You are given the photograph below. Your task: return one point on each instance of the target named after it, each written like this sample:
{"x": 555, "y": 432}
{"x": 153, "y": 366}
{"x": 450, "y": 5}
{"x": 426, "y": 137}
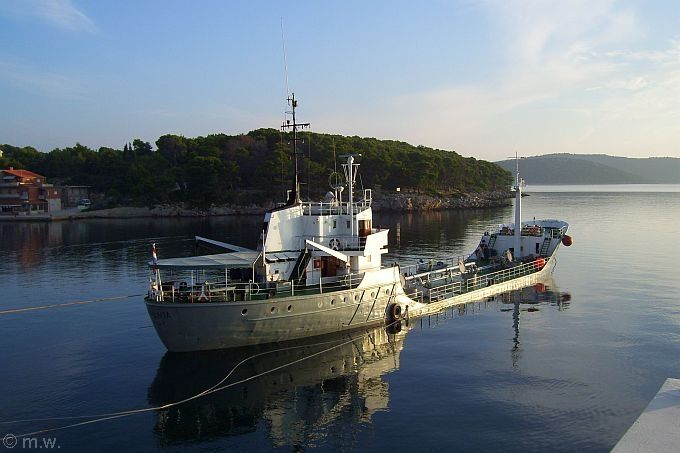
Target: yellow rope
{"x": 66, "y": 304}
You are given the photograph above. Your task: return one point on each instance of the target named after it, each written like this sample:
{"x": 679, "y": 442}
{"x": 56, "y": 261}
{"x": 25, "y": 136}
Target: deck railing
{"x": 425, "y": 268}
{"x": 221, "y": 292}
{"x": 475, "y": 282}
{"x": 429, "y": 282}
{"x": 335, "y": 207}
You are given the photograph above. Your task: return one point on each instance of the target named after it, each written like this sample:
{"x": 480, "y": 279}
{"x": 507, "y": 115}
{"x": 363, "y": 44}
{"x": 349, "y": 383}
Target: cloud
{"x": 573, "y": 76}
{"x": 61, "y": 14}
{"x": 40, "y": 82}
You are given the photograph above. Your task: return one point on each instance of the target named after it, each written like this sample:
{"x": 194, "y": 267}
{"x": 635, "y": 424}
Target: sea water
{"x": 567, "y": 364}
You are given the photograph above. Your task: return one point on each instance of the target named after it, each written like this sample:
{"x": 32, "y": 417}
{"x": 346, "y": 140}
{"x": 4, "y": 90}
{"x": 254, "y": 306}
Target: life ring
{"x": 334, "y": 244}
{"x": 393, "y": 313}
{"x": 335, "y": 180}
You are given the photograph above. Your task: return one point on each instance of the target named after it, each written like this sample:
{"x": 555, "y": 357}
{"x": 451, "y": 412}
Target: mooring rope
{"x": 215, "y": 388}
{"x": 67, "y": 304}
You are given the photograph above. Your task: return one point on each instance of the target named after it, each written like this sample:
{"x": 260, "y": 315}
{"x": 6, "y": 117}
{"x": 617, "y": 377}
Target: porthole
{"x": 290, "y": 307}
{"x": 332, "y": 301}
{"x": 356, "y": 297}
{"x": 273, "y": 309}
{"x": 244, "y": 311}
{"x": 372, "y": 294}
{"x": 344, "y": 299}
{"x": 387, "y": 291}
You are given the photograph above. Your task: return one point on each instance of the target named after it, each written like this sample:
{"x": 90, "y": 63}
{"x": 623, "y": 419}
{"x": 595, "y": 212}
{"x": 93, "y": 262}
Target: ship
{"x": 318, "y": 269}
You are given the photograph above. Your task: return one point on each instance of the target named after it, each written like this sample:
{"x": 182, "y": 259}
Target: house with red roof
{"x": 23, "y": 192}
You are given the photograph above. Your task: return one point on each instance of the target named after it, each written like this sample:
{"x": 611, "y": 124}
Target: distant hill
{"x": 596, "y": 169}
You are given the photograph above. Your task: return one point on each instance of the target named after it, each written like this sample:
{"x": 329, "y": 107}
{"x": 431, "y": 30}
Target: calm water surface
{"x": 565, "y": 365}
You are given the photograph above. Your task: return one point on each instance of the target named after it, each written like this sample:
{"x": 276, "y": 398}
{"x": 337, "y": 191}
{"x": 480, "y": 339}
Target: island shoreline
{"x": 394, "y": 202}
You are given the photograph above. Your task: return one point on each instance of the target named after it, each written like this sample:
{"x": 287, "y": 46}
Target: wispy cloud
{"x": 62, "y": 14}
{"x": 568, "y": 81}
{"x": 40, "y": 82}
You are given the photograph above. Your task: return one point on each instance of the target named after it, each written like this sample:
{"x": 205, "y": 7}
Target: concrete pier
{"x": 658, "y": 428}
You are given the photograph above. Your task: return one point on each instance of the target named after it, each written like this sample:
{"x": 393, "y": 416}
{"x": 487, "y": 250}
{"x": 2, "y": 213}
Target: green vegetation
{"x": 251, "y": 168}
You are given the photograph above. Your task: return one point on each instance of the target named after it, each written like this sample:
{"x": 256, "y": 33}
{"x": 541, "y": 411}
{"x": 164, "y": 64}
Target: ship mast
{"x": 351, "y": 170}
{"x": 294, "y": 197}
{"x": 519, "y": 183}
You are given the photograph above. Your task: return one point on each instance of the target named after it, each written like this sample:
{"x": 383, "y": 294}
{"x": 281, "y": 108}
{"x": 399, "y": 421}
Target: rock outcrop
{"x": 399, "y": 202}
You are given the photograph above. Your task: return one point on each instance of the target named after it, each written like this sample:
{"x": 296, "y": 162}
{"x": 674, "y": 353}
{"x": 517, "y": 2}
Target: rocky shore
{"x": 175, "y": 210}
{"x": 404, "y": 202}
{"x": 396, "y": 202}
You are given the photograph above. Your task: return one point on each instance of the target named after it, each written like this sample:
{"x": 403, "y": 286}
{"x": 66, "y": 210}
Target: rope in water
{"x": 215, "y": 388}
{"x": 67, "y": 304}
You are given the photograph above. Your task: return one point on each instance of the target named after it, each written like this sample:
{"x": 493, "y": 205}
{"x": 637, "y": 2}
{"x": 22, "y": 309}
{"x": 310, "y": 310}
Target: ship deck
{"x": 424, "y": 283}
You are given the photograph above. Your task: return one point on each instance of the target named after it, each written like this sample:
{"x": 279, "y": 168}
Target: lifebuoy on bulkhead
{"x": 334, "y": 244}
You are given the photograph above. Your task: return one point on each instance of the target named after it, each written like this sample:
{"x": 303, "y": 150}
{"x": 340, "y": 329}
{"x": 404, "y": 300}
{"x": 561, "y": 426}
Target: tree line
{"x": 252, "y": 167}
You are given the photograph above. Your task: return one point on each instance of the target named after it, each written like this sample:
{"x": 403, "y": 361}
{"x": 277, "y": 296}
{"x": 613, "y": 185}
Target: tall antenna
{"x": 519, "y": 184}
{"x": 295, "y": 192}
{"x": 285, "y": 63}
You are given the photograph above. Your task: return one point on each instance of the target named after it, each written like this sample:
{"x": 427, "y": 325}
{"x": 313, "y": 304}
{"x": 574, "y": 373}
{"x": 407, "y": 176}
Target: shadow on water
{"x": 299, "y": 398}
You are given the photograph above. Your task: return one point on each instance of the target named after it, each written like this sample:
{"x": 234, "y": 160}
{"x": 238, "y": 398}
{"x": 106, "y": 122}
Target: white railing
{"x": 337, "y": 242}
{"x": 207, "y": 291}
{"x": 475, "y": 282}
{"x": 426, "y": 267}
{"x": 337, "y": 208}
{"x": 221, "y": 292}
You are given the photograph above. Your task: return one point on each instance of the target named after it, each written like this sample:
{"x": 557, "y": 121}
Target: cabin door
{"x": 329, "y": 266}
{"x": 364, "y": 228}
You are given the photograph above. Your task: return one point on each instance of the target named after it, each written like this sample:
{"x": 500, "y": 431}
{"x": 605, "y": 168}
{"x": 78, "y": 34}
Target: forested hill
{"x": 596, "y": 169}
{"x": 252, "y": 167}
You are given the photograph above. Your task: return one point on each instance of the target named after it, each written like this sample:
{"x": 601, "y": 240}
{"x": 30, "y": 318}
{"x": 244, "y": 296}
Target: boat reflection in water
{"x": 541, "y": 293}
{"x": 298, "y": 403}
{"x": 306, "y": 392}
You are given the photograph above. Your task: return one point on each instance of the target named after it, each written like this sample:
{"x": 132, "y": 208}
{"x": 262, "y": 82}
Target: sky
{"x": 484, "y": 78}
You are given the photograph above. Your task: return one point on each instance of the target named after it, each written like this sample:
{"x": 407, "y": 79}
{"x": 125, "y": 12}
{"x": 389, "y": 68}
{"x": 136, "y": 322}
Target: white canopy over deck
{"x": 219, "y": 261}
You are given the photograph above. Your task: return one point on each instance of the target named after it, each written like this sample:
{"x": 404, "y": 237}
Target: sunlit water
{"x": 562, "y": 366}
